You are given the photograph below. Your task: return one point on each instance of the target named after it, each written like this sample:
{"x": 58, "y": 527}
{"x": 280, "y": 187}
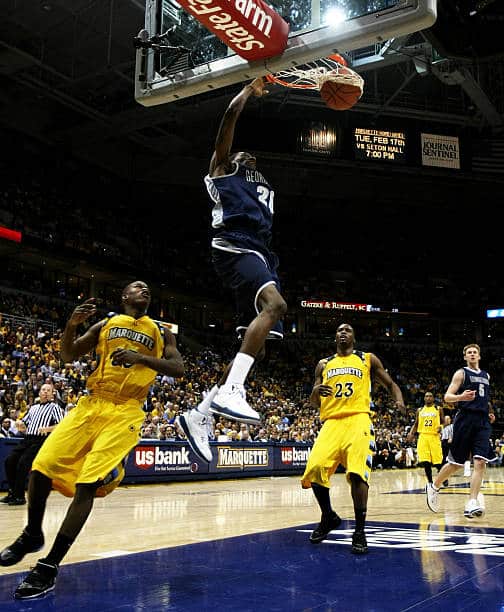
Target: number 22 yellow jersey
{"x": 350, "y": 378}
{"x": 429, "y": 421}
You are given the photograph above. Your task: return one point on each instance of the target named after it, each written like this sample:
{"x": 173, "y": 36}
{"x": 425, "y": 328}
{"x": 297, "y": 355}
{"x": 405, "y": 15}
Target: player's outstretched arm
{"x": 225, "y": 134}
{"x": 72, "y": 347}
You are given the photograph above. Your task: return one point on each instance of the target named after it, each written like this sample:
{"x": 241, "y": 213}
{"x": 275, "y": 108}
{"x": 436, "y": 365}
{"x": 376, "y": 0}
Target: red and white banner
{"x": 250, "y": 28}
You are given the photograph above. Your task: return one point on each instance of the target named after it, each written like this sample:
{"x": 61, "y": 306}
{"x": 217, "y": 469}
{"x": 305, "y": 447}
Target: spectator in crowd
{"x": 498, "y": 444}
{"x": 243, "y": 434}
{"x": 6, "y": 429}
{"x": 405, "y": 457}
{"x": 470, "y": 389}
{"x": 149, "y": 432}
{"x": 342, "y": 392}
{"x": 220, "y": 436}
{"x": 83, "y": 458}
{"x": 168, "y": 432}
{"x": 428, "y": 425}
{"x": 40, "y": 420}
{"x": 242, "y": 218}
{"x": 384, "y": 459}
{"x": 446, "y": 436}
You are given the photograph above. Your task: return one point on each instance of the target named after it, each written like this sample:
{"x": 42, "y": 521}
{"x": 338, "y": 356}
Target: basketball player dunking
{"x": 242, "y": 216}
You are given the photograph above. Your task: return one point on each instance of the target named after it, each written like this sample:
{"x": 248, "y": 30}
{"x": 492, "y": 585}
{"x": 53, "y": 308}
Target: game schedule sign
{"x": 382, "y": 145}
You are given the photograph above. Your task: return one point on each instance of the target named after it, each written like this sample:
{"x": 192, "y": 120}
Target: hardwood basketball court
{"x": 260, "y": 517}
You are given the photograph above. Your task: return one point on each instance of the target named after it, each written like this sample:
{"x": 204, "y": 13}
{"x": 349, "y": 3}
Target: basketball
{"x": 340, "y": 96}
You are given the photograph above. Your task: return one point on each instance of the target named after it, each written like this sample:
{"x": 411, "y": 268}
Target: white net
{"x": 313, "y": 75}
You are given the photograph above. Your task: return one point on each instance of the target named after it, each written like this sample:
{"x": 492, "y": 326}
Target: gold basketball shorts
{"x": 90, "y": 444}
{"x": 429, "y": 449}
{"x": 348, "y": 441}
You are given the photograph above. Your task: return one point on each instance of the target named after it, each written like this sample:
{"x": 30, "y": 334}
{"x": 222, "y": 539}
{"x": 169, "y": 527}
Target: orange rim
{"x": 277, "y": 81}
{"x": 338, "y": 58}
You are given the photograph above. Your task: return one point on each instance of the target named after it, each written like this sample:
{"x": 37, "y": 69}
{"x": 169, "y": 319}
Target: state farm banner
{"x": 250, "y": 28}
{"x": 441, "y": 151}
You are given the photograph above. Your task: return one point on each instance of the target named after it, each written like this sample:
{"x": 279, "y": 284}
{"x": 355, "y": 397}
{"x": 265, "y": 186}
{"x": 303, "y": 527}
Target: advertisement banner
{"x": 159, "y": 461}
{"x": 328, "y": 305}
{"x": 440, "y": 151}
{"x": 292, "y": 458}
{"x": 242, "y": 458}
{"x": 252, "y": 29}
{"x": 154, "y": 459}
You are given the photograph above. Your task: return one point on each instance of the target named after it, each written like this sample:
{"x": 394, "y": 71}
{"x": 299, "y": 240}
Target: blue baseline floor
{"x": 409, "y": 567}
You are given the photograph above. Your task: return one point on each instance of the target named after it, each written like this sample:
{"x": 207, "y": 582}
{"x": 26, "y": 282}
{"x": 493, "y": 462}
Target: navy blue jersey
{"x": 479, "y": 382}
{"x": 242, "y": 211}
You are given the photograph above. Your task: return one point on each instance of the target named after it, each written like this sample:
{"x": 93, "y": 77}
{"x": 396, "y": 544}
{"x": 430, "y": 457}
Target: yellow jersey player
{"x": 342, "y": 391}
{"x": 83, "y": 457}
{"x": 428, "y": 425}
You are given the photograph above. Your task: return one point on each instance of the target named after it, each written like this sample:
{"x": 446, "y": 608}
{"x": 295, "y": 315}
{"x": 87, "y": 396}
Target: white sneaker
{"x": 432, "y": 495}
{"x": 481, "y": 502}
{"x": 230, "y": 402}
{"x": 194, "y": 425}
{"x": 473, "y": 509}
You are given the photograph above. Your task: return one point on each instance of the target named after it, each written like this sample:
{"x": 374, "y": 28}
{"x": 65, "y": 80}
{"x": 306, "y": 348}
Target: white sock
{"x": 240, "y": 368}
{"x": 204, "y": 405}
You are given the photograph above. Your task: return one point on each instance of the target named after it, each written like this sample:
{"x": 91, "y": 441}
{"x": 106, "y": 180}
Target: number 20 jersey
{"x": 350, "y": 378}
{"x": 242, "y": 211}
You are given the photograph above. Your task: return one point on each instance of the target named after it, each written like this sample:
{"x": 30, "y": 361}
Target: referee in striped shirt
{"x": 40, "y": 420}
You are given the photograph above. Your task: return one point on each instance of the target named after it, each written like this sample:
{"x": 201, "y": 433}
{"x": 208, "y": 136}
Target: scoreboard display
{"x": 381, "y": 145}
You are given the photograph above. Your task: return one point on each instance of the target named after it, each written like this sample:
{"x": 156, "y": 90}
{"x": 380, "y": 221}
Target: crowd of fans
{"x": 278, "y": 387}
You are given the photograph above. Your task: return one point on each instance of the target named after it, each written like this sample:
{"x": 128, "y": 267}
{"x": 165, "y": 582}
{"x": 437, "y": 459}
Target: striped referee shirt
{"x": 42, "y": 415}
{"x": 447, "y": 432}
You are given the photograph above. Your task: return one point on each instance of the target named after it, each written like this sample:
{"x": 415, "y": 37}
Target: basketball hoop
{"x": 340, "y": 86}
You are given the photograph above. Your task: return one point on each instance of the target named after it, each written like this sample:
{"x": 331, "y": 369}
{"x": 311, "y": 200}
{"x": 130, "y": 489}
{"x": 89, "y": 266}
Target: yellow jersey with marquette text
{"x": 128, "y": 381}
{"x": 350, "y": 378}
{"x": 429, "y": 421}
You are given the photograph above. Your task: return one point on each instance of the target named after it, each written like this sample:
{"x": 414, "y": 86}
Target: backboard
{"x": 190, "y": 60}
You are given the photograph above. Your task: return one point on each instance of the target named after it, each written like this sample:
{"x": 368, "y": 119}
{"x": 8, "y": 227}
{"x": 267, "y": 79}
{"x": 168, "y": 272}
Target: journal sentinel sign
{"x": 441, "y": 151}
